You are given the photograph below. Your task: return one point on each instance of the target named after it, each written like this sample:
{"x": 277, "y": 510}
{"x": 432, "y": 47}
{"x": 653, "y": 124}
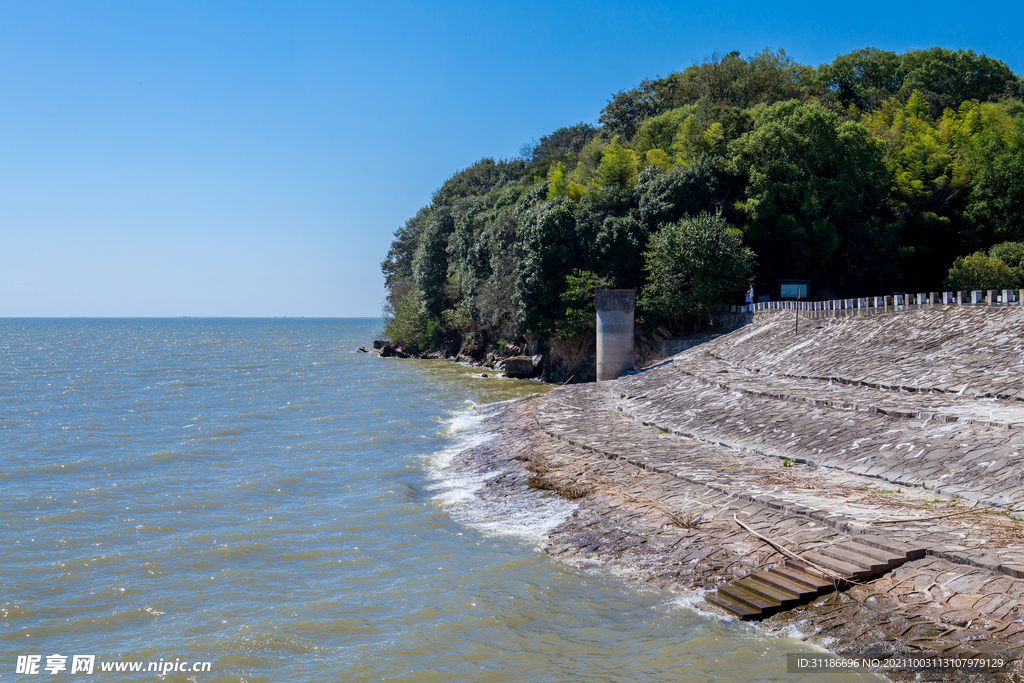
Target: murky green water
{"x": 257, "y": 495}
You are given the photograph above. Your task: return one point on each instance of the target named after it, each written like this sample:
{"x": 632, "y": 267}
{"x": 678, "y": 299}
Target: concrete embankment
{"x": 901, "y": 430}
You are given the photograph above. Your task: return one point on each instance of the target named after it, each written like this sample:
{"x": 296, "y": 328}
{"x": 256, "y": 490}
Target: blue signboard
{"x": 789, "y": 290}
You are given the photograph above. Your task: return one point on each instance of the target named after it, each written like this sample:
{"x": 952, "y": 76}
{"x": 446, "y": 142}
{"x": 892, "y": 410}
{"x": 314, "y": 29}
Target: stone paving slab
{"x": 926, "y": 605}
{"x": 973, "y": 459}
{"x": 581, "y": 416}
{"x": 711, "y": 370}
{"x": 965, "y": 350}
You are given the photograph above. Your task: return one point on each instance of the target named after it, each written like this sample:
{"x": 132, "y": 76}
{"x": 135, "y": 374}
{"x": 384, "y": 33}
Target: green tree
{"x": 978, "y": 271}
{"x": 924, "y": 199}
{"x": 478, "y": 179}
{"x": 618, "y": 166}
{"x": 564, "y": 145}
{"x": 694, "y": 266}
{"x": 685, "y": 190}
{"x": 863, "y": 78}
{"x": 404, "y": 320}
{"x": 578, "y": 299}
{"x": 992, "y": 156}
{"x": 547, "y": 251}
{"x": 1012, "y": 254}
{"x": 815, "y": 199}
{"x": 947, "y": 78}
{"x": 659, "y": 132}
{"x": 398, "y": 263}
{"x": 430, "y": 262}
{"x": 558, "y": 184}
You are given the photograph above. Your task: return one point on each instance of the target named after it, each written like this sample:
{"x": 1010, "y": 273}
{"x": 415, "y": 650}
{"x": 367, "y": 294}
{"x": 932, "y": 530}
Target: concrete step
{"x": 764, "y": 593}
{"x": 733, "y": 607}
{"x": 911, "y": 552}
{"x": 799, "y": 573}
{"x": 890, "y": 559}
{"x": 839, "y": 567}
{"x": 857, "y": 559}
{"x": 769, "y": 591}
{"x": 744, "y": 596}
{"x": 780, "y": 581}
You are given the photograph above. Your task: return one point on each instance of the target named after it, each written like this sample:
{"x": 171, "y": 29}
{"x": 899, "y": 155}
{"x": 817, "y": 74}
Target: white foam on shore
{"x": 795, "y": 631}
{"x": 692, "y": 599}
{"x": 460, "y": 486}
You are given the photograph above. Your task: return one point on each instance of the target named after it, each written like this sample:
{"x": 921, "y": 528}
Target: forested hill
{"x": 866, "y": 175}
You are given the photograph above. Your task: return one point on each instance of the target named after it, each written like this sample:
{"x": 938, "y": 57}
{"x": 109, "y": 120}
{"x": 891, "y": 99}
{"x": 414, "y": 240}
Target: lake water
{"x": 257, "y": 495}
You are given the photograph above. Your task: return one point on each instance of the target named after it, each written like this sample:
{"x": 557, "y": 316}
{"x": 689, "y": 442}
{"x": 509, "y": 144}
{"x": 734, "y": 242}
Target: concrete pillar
{"x": 1007, "y": 296}
{"x": 962, "y": 297}
{"x": 992, "y": 294}
{"x": 976, "y": 296}
{"x": 614, "y": 331}
{"x": 947, "y": 298}
{"x": 933, "y": 298}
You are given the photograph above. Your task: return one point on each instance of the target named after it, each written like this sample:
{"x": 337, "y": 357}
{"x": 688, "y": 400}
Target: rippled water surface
{"x": 257, "y": 494}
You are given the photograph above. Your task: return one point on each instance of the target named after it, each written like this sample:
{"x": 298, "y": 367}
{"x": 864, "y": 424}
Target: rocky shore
{"x": 561, "y": 361}
{"x": 903, "y": 428}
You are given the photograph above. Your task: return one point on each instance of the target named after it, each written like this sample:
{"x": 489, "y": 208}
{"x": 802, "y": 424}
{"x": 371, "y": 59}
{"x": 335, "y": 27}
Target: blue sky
{"x": 254, "y": 158}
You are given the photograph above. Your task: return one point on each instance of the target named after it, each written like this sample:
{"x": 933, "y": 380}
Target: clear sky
{"x": 253, "y": 158}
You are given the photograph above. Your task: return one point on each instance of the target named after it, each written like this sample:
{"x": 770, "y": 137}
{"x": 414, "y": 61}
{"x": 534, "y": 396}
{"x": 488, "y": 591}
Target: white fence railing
{"x": 894, "y": 302}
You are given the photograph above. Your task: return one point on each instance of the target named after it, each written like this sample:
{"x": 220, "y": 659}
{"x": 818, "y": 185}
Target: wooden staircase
{"x": 780, "y": 588}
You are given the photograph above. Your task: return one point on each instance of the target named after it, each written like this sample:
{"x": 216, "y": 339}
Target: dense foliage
{"x": 872, "y": 173}
{"x": 693, "y": 265}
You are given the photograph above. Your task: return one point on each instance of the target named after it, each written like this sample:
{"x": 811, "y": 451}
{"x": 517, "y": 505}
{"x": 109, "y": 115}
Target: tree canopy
{"x": 872, "y": 173}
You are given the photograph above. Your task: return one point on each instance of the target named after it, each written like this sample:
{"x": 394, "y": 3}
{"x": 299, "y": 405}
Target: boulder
{"x": 380, "y": 343}
{"x": 389, "y": 351}
{"x": 522, "y": 367}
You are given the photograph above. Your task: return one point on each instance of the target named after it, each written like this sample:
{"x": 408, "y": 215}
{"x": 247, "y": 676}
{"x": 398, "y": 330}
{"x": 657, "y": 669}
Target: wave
{"x": 467, "y": 479}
